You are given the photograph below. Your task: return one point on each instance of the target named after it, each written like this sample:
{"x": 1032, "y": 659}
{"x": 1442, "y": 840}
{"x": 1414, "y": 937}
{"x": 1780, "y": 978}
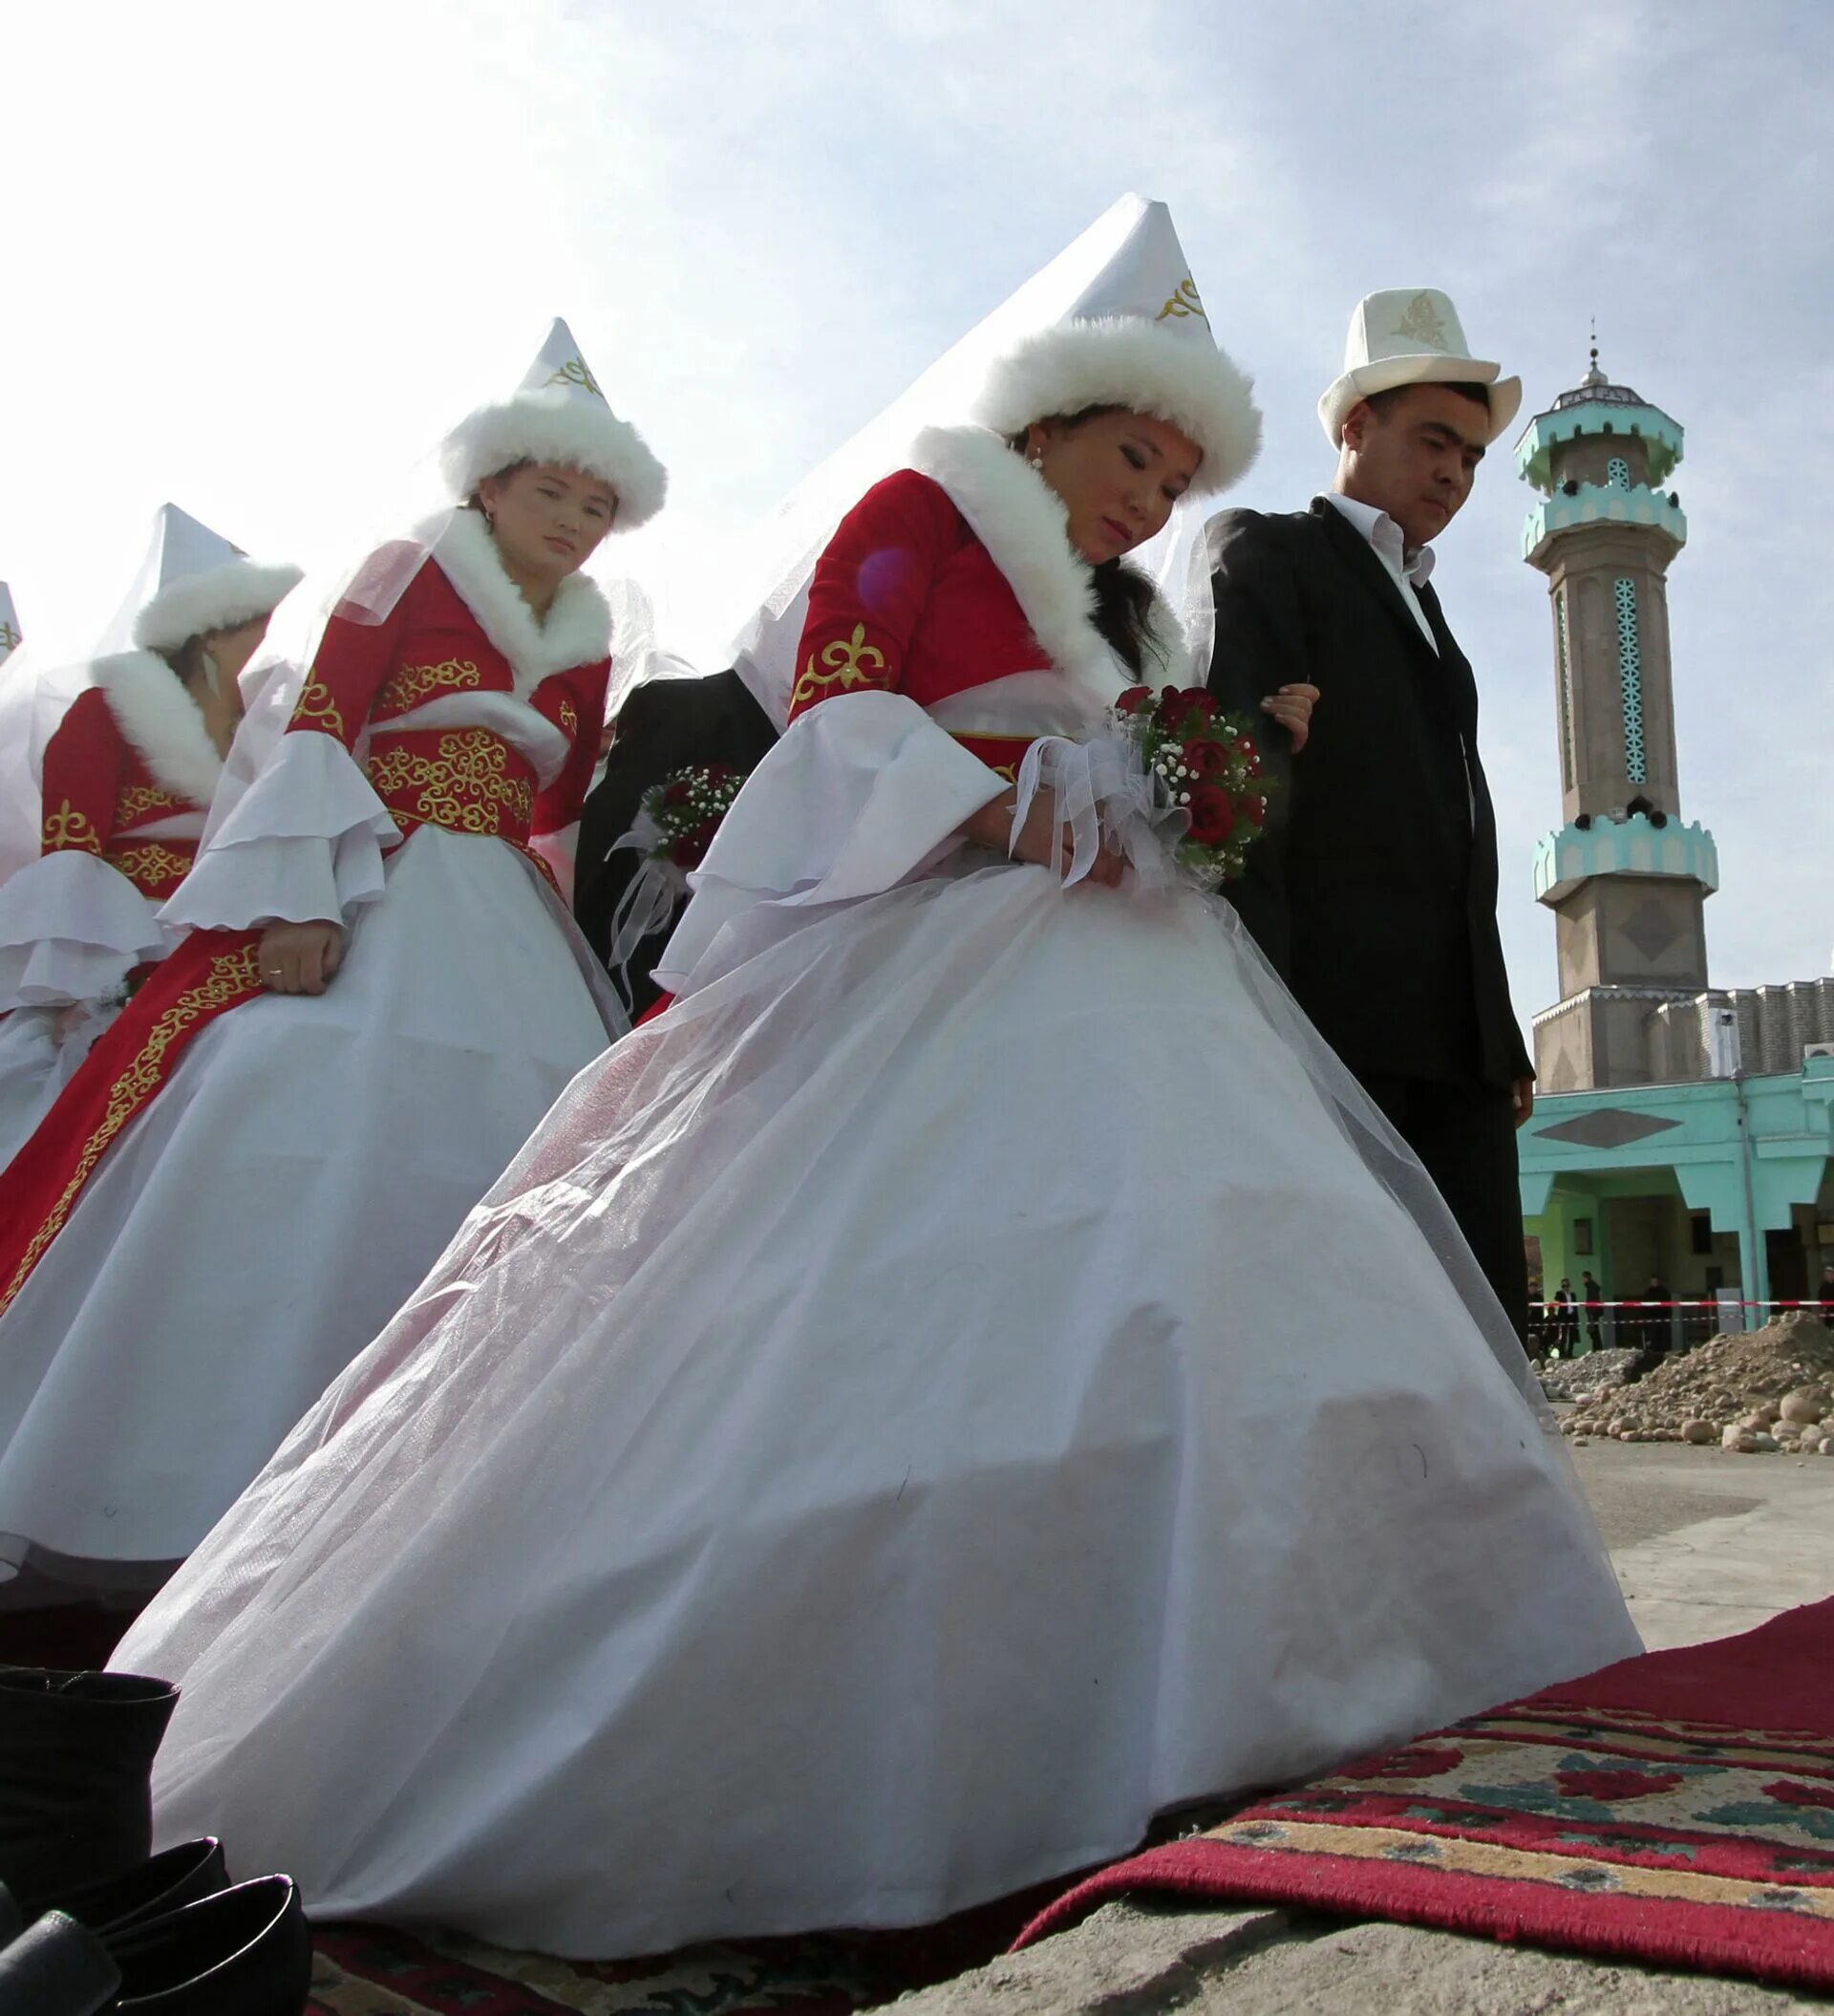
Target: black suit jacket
{"x": 663, "y": 726}
{"x": 1373, "y": 890}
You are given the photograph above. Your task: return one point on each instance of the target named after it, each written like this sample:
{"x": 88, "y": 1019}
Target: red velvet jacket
{"x": 907, "y": 598}
{"x": 99, "y": 792}
{"x": 467, "y": 778}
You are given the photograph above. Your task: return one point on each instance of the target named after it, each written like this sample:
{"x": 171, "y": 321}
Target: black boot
{"x": 57, "y": 1968}
{"x": 174, "y": 1877}
{"x": 243, "y": 1952}
{"x": 75, "y": 1768}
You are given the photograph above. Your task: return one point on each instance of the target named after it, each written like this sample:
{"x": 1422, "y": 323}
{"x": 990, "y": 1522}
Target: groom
{"x": 1374, "y": 889}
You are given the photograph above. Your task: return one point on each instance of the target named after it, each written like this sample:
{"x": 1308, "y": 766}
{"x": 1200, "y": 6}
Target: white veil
{"x": 774, "y": 568}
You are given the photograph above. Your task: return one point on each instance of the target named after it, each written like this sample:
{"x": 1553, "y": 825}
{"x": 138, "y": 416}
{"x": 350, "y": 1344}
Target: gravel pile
{"x": 1579, "y": 1378}
{"x": 1755, "y": 1392}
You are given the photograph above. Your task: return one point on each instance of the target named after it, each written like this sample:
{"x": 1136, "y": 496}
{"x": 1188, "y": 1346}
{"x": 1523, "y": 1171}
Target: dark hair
{"x": 1125, "y": 597}
{"x": 1124, "y": 603}
{"x": 186, "y": 660}
{"x": 1380, "y": 403}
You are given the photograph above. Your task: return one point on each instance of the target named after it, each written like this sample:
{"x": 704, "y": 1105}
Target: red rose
{"x": 1199, "y": 699}
{"x": 677, "y": 793}
{"x": 1213, "y": 815}
{"x": 1137, "y": 699}
{"x": 1204, "y": 759}
{"x": 691, "y": 849}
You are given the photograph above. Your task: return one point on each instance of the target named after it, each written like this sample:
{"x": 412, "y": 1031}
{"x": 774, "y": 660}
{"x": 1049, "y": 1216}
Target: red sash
{"x": 210, "y": 973}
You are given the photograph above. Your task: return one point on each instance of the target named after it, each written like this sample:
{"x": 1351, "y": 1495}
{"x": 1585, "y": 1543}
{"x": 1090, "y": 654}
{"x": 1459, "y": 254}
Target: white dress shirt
{"x": 1407, "y": 569}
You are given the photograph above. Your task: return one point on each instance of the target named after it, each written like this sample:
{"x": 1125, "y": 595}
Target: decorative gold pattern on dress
{"x": 412, "y": 683}
{"x": 852, "y": 662}
{"x": 232, "y": 974}
{"x": 151, "y": 867}
{"x": 467, "y": 787}
{"x": 317, "y": 709}
{"x": 573, "y": 373}
{"x": 138, "y": 799}
{"x": 1422, "y": 323}
{"x": 569, "y": 718}
{"x": 983, "y": 746}
{"x": 1182, "y": 303}
{"x": 68, "y": 827}
{"x": 10, "y": 638}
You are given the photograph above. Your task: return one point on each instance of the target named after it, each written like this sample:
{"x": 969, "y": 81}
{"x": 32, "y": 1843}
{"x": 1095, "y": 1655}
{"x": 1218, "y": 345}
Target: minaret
{"x": 1626, "y": 880}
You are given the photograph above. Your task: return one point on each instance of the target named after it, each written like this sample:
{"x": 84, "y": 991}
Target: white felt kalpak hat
{"x": 1411, "y": 335}
{"x": 9, "y": 623}
{"x": 1137, "y": 338}
{"x": 558, "y": 415}
{"x": 197, "y": 582}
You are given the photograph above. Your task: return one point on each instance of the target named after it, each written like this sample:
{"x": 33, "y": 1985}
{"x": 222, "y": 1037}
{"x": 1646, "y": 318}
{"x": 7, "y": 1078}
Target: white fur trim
{"x": 578, "y": 627}
{"x": 1121, "y": 360}
{"x": 1022, "y": 521}
{"x": 554, "y": 425}
{"x": 162, "y": 720}
{"x": 219, "y": 598}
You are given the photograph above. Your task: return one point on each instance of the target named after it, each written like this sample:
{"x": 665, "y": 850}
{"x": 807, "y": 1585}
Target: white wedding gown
{"x": 973, "y": 1374}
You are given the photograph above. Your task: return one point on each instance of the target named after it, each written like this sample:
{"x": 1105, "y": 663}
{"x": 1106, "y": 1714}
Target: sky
{"x": 258, "y": 259}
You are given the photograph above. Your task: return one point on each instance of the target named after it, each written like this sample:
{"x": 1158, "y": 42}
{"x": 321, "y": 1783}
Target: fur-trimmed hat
{"x": 200, "y": 582}
{"x": 1138, "y": 338}
{"x": 558, "y": 415}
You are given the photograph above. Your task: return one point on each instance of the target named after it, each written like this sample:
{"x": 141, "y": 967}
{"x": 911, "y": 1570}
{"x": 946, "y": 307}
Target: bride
{"x": 917, "y": 1407}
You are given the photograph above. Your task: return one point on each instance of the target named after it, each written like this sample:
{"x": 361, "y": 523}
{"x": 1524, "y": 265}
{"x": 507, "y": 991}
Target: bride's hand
{"x": 1292, "y": 707}
{"x": 300, "y": 958}
{"x": 1037, "y": 837}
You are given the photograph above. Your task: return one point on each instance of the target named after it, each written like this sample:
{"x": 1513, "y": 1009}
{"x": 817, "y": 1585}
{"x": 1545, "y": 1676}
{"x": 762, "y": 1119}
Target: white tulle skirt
{"x": 266, "y": 1214}
{"x": 960, "y": 1382}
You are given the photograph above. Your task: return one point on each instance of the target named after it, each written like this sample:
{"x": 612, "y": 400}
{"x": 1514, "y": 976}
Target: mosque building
{"x": 1681, "y": 1131}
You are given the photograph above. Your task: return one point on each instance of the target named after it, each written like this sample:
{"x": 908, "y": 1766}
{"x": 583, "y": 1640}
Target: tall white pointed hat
{"x": 8, "y": 624}
{"x": 193, "y": 581}
{"x": 1137, "y": 336}
{"x": 558, "y": 415}
{"x": 1412, "y": 335}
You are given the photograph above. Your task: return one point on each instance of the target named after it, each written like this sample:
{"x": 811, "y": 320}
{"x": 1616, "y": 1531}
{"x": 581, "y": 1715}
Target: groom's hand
{"x": 1525, "y": 1097}
{"x": 1292, "y": 707}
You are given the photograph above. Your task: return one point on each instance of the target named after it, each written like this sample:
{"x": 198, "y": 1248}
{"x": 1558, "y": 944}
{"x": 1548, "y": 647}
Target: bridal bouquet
{"x": 685, "y": 810}
{"x": 1206, "y": 763}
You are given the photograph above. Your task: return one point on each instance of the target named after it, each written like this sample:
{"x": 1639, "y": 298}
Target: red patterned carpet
{"x": 1675, "y": 1809}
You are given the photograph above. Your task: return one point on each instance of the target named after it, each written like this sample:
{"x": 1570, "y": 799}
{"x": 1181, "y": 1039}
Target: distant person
{"x": 1827, "y": 1296}
{"x": 1646, "y": 1334}
{"x": 1659, "y": 1327}
{"x": 1594, "y": 1299}
{"x": 1566, "y": 1317}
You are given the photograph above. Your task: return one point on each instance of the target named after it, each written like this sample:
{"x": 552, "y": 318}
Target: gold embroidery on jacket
{"x": 412, "y": 683}
{"x": 318, "y": 709}
{"x": 68, "y": 827}
{"x": 149, "y": 867}
{"x": 465, "y": 786}
{"x": 852, "y": 662}
{"x": 138, "y": 799}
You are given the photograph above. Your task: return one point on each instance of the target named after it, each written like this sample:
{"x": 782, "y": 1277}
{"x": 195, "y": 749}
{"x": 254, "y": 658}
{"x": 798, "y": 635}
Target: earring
{"x": 1035, "y": 460}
